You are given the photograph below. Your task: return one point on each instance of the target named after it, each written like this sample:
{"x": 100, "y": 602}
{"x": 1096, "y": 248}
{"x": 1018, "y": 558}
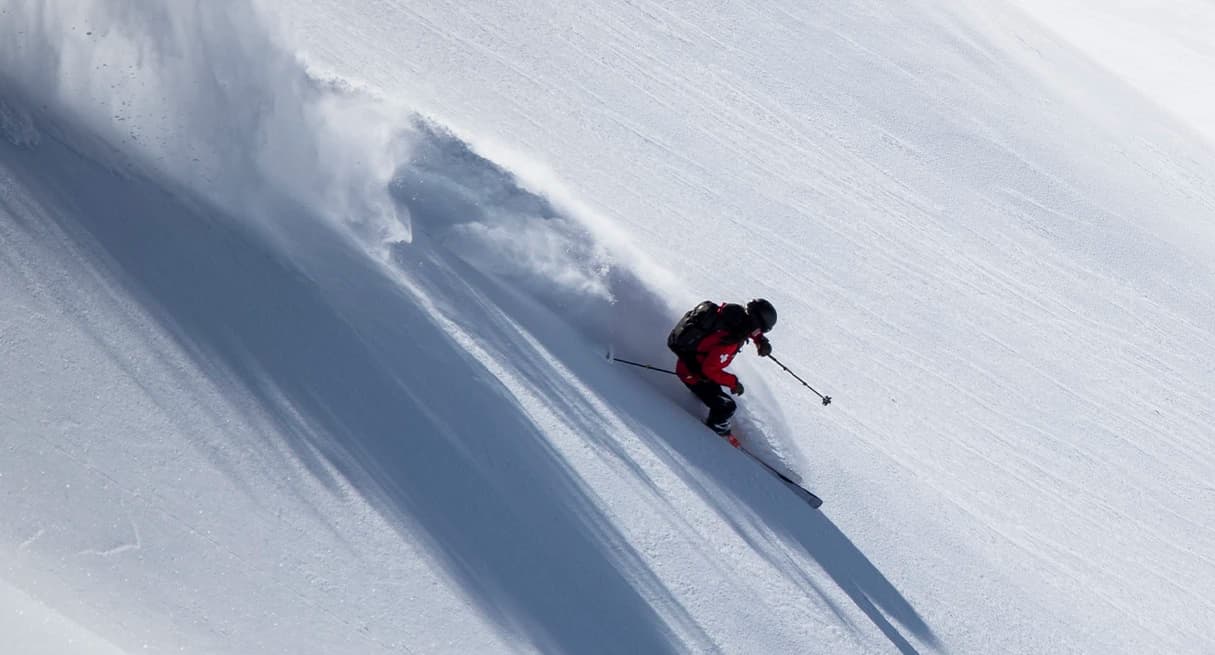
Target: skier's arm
{"x": 690, "y": 362}
{"x": 711, "y": 365}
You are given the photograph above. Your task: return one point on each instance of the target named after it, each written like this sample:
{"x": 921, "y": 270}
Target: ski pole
{"x": 652, "y": 368}
{"x": 826, "y": 399}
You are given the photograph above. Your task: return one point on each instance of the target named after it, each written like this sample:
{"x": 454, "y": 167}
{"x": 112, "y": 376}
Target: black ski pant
{"x": 721, "y": 405}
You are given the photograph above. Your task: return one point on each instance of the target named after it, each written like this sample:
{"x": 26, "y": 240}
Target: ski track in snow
{"x": 323, "y": 394}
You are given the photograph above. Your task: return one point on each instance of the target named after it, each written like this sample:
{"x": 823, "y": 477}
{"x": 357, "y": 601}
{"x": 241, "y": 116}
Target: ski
{"x": 803, "y": 493}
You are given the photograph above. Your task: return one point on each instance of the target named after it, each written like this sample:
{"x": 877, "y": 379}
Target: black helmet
{"x": 763, "y": 313}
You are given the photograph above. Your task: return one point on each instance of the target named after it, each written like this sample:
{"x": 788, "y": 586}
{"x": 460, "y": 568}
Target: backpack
{"x": 703, "y": 320}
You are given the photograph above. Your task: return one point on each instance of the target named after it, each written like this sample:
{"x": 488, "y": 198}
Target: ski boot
{"x": 723, "y": 431}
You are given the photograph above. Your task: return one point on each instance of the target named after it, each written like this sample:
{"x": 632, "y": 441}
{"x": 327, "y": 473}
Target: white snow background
{"x": 304, "y": 308}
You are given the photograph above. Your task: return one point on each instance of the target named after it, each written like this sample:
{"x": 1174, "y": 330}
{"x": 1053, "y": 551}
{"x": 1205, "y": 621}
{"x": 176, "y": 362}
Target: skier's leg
{"x": 721, "y": 405}
{"x": 720, "y": 413}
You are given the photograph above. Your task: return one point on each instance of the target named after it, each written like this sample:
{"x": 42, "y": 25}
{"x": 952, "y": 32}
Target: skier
{"x": 706, "y": 340}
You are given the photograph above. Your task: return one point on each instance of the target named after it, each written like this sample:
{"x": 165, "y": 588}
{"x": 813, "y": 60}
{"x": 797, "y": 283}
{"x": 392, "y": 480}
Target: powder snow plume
{"x": 202, "y": 92}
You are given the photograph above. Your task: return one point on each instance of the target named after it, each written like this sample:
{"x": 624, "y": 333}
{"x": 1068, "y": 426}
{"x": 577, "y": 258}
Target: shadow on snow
{"x": 446, "y": 187}
{"x": 362, "y": 380}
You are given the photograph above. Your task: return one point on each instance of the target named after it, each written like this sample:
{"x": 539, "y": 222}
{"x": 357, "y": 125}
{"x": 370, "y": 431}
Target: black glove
{"x": 764, "y": 347}
{"x": 737, "y": 389}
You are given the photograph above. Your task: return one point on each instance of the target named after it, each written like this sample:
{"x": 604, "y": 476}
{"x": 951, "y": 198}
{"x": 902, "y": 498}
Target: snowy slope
{"x": 303, "y": 306}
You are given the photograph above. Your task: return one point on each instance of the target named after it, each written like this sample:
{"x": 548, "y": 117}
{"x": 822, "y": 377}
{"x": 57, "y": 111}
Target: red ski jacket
{"x": 714, "y": 356}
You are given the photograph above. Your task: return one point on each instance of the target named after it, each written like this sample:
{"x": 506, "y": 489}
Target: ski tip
{"x": 810, "y": 499}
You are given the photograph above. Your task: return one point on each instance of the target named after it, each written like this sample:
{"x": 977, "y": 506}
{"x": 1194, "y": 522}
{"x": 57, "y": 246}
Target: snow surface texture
{"x": 303, "y": 309}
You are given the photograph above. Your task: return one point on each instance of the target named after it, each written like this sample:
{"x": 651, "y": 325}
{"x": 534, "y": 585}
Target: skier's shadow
{"x": 776, "y": 509}
{"x": 872, "y": 592}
